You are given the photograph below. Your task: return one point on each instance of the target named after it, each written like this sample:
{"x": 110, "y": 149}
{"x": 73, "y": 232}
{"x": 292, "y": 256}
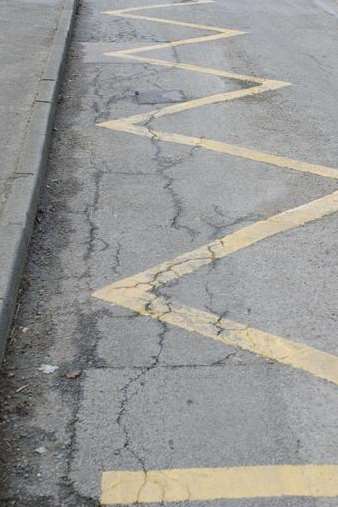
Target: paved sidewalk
{"x": 33, "y": 38}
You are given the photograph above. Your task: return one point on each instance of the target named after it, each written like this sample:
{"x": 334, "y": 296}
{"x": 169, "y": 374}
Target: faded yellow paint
{"x": 125, "y": 13}
{"x": 185, "y": 106}
{"x": 222, "y": 33}
{"x": 138, "y": 293}
{"x": 170, "y": 22}
{"x": 235, "y": 150}
{"x": 159, "y": 6}
{"x": 264, "y": 85}
{"x": 193, "y": 68}
{"x": 128, "y": 124}
{"x": 194, "y": 40}
{"x": 313, "y": 361}
{"x": 205, "y": 484}
{"x": 229, "y": 244}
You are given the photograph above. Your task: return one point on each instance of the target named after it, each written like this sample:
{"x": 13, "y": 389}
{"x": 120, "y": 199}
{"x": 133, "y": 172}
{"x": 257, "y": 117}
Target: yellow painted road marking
{"x": 209, "y": 144}
{"x": 313, "y": 361}
{"x": 194, "y": 40}
{"x": 159, "y": 6}
{"x": 219, "y": 248}
{"x": 181, "y": 107}
{"x": 138, "y": 293}
{"x": 194, "y": 68}
{"x": 170, "y": 22}
{"x": 205, "y": 484}
{"x": 299, "y": 356}
{"x": 125, "y": 13}
{"x": 216, "y": 146}
{"x": 128, "y": 124}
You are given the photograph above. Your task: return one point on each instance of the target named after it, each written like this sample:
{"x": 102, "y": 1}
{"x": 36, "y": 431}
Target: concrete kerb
{"x": 17, "y": 219}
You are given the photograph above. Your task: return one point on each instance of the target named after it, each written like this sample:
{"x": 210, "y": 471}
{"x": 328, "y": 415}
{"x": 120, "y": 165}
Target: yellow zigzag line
{"x": 130, "y": 124}
{"x": 139, "y": 292}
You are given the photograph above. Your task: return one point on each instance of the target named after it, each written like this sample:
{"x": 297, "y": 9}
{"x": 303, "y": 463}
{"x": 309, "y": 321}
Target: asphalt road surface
{"x": 176, "y": 339}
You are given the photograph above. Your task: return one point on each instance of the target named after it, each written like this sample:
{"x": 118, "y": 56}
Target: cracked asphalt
{"x": 131, "y": 392}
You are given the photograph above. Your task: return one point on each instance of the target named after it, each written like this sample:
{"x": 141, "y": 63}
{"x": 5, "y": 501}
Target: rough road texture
{"x": 133, "y": 393}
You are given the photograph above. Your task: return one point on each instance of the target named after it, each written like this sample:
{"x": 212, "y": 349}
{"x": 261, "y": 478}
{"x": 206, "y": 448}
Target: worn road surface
{"x": 176, "y": 339}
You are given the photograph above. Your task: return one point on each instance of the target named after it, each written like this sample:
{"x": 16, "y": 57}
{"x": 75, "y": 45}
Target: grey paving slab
{"x": 34, "y": 37}
{"x": 25, "y": 48}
